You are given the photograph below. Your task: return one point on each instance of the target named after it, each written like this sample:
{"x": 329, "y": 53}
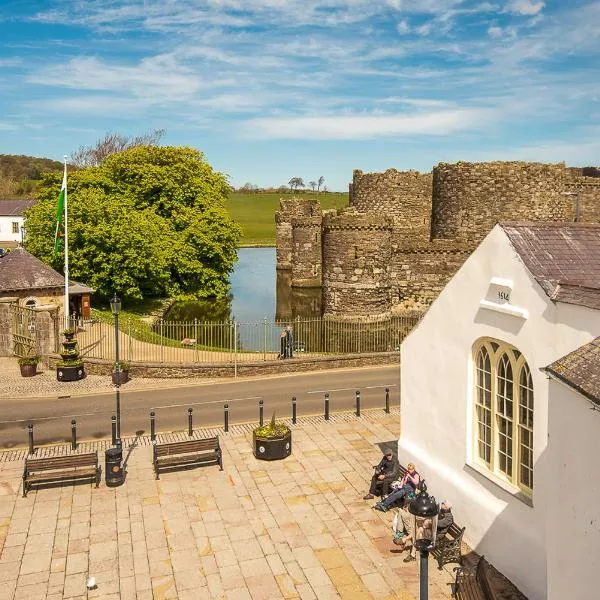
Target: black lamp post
{"x": 425, "y": 510}
{"x": 22, "y": 236}
{"x": 115, "y": 308}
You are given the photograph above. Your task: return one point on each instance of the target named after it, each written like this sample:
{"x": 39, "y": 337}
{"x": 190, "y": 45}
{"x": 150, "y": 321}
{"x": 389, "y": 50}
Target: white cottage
{"x": 12, "y": 221}
{"x": 512, "y": 449}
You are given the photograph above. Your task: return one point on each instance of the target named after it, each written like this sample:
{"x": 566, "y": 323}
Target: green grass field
{"x": 256, "y": 212}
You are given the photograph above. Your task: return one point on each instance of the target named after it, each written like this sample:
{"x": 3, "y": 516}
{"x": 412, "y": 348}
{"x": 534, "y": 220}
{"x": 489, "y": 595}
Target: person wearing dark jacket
{"x": 385, "y": 472}
{"x": 445, "y": 518}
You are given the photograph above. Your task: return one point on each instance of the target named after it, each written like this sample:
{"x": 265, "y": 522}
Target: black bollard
{"x": 30, "y": 438}
{"x": 326, "y": 406}
{"x": 73, "y": 434}
{"x": 294, "y": 410}
{"x": 113, "y": 423}
{"x": 261, "y": 412}
{"x": 226, "y": 416}
{"x": 358, "y": 403}
{"x": 190, "y": 430}
{"x": 387, "y": 400}
{"x": 152, "y": 426}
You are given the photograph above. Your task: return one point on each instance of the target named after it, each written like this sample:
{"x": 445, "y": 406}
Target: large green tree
{"x": 148, "y": 222}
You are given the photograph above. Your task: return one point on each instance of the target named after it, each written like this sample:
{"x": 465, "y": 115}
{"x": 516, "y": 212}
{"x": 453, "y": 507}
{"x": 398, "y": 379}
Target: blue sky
{"x": 273, "y": 89}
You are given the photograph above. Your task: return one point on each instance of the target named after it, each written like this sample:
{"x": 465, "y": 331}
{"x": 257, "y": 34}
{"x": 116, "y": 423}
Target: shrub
{"x": 29, "y": 360}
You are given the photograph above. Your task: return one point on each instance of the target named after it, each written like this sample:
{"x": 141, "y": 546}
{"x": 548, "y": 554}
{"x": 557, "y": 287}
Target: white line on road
{"x": 368, "y": 387}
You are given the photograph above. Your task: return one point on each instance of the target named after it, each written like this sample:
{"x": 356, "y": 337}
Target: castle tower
{"x": 288, "y": 209}
{"x": 470, "y": 198}
{"x": 402, "y": 194}
{"x": 306, "y": 251}
{"x": 356, "y": 263}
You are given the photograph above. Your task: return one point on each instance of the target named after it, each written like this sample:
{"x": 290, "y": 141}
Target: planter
{"x": 68, "y": 336}
{"x": 272, "y": 448}
{"x": 28, "y": 370}
{"x": 120, "y": 378}
{"x": 70, "y": 373}
{"x": 69, "y": 345}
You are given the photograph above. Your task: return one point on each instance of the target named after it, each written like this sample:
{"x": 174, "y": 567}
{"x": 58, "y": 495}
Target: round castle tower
{"x": 306, "y": 251}
{"x": 289, "y": 209}
{"x": 470, "y": 198}
{"x": 357, "y": 253}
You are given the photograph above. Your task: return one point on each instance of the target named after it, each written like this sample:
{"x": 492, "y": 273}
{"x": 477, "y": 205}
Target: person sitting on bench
{"x": 408, "y": 485}
{"x": 445, "y": 518}
{"x": 385, "y": 472}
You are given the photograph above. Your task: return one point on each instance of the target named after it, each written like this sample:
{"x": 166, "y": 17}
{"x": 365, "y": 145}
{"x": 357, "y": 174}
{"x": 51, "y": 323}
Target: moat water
{"x": 253, "y": 293}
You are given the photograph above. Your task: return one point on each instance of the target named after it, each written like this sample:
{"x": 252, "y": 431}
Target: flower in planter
{"x": 123, "y": 366}
{"x": 271, "y": 430}
{"x": 69, "y": 363}
{"x": 29, "y": 360}
{"x": 69, "y": 331}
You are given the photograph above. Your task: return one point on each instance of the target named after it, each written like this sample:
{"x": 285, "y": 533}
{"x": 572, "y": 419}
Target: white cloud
{"x": 494, "y": 31}
{"x": 525, "y": 7}
{"x": 403, "y": 27}
{"x": 424, "y": 29}
{"x": 369, "y": 126}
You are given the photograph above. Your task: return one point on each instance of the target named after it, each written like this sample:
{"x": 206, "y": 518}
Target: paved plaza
{"x": 258, "y": 530}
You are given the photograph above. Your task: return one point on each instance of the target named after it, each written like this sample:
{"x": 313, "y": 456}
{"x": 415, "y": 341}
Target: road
{"x": 52, "y": 417}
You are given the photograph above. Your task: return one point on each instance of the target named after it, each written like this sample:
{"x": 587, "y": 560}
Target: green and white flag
{"x": 59, "y": 217}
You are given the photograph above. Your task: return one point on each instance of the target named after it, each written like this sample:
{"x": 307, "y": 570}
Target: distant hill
{"x": 19, "y": 174}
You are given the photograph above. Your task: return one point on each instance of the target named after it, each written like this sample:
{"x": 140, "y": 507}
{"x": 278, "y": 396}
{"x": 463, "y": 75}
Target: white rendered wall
{"x": 6, "y": 234}
{"x": 574, "y": 497}
{"x": 436, "y": 404}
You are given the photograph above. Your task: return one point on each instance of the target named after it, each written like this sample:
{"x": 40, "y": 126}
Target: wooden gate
{"x": 23, "y": 331}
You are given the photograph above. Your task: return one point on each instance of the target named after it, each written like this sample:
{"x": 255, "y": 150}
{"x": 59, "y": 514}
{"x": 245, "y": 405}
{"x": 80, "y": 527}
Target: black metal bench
{"x": 448, "y": 547}
{"x": 191, "y": 452}
{"x": 61, "y": 468}
{"x": 474, "y": 583}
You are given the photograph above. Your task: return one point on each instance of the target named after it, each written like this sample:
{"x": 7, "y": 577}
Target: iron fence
{"x": 197, "y": 342}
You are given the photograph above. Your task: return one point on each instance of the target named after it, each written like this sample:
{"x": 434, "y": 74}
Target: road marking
{"x": 368, "y": 387}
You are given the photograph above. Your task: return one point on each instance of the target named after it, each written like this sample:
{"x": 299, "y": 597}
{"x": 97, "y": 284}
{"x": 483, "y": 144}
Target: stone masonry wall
{"x": 306, "y": 251}
{"x": 357, "y": 254}
{"x": 586, "y": 190}
{"x": 470, "y": 198}
{"x": 288, "y": 209}
{"x": 403, "y": 194}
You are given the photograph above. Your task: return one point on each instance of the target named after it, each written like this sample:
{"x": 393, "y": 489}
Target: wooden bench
{"x": 188, "y": 453}
{"x": 61, "y": 468}
{"x": 474, "y": 583}
{"x": 448, "y": 547}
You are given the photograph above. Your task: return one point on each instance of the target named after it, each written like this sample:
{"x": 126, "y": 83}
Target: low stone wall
{"x": 273, "y": 367}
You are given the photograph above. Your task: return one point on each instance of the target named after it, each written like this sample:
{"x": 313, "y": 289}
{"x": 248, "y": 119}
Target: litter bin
{"x": 113, "y": 468}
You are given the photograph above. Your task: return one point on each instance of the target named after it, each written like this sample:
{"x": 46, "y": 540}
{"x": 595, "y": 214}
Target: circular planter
{"x": 69, "y": 336}
{"x": 120, "y": 378}
{"x": 70, "y": 373}
{"x": 272, "y": 448}
{"x": 69, "y": 344}
{"x": 28, "y": 370}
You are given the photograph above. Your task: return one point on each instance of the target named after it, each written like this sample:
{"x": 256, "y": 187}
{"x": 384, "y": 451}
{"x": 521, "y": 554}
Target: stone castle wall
{"x": 357, "y": 254}
{"x": 470, "y": 198}
{"x": 405, "y": 234}
{"x": 402, "y": 194}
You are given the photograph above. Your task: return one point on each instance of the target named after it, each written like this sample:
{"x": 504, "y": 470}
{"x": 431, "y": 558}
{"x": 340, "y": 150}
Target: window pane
{"x": 526, "y": 427}
{"x": 483, "y": 401}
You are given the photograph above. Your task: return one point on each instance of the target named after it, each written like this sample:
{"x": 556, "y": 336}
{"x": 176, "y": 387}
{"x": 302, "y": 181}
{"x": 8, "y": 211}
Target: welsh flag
{"x": 59, "y": 217}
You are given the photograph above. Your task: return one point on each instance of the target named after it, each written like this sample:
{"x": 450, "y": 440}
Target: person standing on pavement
{"x": 385, "y": 472}
{"x": 404, "y": 531}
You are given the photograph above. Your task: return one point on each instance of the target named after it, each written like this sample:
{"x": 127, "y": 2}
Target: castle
{"x": 405, "y": 233}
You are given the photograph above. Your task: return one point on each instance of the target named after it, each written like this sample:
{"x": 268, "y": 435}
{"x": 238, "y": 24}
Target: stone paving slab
{"x": 296, "y": 528}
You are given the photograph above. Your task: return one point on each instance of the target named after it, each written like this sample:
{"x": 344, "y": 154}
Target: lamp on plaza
{"x": 425, "y": 510}
{"x": 115, "y": 308}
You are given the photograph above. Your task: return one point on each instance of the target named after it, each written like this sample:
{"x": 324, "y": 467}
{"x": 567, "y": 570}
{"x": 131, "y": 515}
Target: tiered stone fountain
{"x": 71, "y": 367}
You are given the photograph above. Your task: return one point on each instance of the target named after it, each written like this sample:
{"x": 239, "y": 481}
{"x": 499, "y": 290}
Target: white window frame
{"x": 519, "y": 417}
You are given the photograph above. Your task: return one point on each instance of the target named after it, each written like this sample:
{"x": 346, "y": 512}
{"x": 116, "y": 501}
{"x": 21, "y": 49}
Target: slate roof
{"x": 580, "y": 370}
{"x": 20, "y": 270}
{"x": 564, "y": 258}
{"x": 15, "y": 208}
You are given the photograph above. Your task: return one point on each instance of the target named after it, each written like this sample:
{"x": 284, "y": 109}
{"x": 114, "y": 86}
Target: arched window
{"x": 503, "y": 412}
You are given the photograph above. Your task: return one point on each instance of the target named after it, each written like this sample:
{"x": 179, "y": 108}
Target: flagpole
{"x": 66, "y": 234}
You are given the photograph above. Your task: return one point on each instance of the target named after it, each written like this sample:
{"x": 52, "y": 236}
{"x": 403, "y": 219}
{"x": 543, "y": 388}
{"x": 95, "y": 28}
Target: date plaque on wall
{"x": 498, "y": 298}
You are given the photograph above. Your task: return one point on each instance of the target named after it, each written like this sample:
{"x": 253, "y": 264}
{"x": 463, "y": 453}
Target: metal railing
{"x": 196, "y": 342}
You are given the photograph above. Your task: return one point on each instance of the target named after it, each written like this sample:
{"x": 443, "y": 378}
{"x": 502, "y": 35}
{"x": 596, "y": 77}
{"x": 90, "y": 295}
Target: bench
{"x": 188, "y": 453}
{"x": 448, "y": 547}
{"x": 474, "y": 583}
{"x": 61, "y": 468}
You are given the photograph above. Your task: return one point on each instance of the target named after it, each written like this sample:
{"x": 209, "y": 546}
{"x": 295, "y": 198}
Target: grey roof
{"x": 15, "y": 208}
{"x": 20, "y": 270}
{"x": 564, "y": 258}
{"x": 580, "y": 370}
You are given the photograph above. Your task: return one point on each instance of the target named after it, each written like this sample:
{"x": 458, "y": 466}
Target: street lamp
{"x": 22, "y": 236}
{"x": 425, "y": 510}
{"x": 115, "y": 308}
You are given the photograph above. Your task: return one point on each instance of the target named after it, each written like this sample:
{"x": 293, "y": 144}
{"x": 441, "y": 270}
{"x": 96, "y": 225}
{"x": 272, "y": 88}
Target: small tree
{"x": 313, "y": 185}
{"x": 295, "y": 183}
{"x": 320, "y": 182}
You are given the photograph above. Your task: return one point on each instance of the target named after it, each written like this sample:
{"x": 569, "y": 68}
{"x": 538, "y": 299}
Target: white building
{"x": 512, "y": 449}
{"x": 11, "y": 221}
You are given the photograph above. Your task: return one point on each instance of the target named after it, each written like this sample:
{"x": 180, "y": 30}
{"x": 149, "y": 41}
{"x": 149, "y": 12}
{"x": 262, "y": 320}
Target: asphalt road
{"x": 52, "y": 417}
